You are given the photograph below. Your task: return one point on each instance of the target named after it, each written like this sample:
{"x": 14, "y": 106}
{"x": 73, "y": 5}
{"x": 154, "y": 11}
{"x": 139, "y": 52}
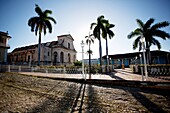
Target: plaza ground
{"x": 34, "y": 94}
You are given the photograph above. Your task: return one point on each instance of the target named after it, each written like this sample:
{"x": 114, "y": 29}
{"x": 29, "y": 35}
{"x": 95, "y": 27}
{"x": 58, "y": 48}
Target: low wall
{"x": 153, "y": 70}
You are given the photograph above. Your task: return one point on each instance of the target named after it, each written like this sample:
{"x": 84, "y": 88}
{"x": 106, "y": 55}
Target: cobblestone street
{"x": 21, "y": 94}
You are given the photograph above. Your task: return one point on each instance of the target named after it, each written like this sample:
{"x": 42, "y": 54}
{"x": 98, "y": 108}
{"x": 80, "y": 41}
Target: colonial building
{"x": 157, "y": 57}
{"x": 61, "y": 52}
{"x": 4, "y": 37}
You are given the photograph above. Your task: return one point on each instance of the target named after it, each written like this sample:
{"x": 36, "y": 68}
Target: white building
{"x": 4, "y": 37}
{"x": 61, "y": 52}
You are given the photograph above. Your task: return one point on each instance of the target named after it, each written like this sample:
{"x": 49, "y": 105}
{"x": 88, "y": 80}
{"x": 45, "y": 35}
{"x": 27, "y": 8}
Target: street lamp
{"x": 141, "y": 66}
{"x": 144, "y": 57}
{"x": 82, "y": 45}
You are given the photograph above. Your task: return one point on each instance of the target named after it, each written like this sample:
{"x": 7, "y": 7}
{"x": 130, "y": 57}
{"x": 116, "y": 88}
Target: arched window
{"x": 69, "y": 45}
{"x": 61, "y": 57}
{"x": 74, "y": 58}
{"x": 69, "y": 58}
{"x": 55, "y": 57}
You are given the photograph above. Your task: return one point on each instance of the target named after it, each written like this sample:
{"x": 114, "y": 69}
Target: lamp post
{"x": 82, "y": 45}
{"x": 141, "y": 66}
{"x": 144, "y": 57}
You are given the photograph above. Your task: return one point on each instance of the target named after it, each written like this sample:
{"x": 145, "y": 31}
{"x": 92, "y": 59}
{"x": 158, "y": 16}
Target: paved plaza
{"x": 30, "y": 94}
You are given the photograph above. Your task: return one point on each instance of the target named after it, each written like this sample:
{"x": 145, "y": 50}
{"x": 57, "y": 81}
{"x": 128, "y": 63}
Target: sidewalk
{"x": 120, "y": 74}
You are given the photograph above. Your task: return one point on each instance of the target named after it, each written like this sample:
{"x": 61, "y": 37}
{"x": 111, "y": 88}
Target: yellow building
{"x": 4, "y": 37}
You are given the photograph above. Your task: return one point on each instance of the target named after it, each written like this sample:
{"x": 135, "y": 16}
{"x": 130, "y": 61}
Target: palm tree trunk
{"x": 39, "y": 48}
{"x": 89, "y": 62}
{"x": 106, "y": 55}
{"x": 100, "y": 52}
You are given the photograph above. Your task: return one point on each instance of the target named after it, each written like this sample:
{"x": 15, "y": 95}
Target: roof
{"x": 25, "y": 48}
{"x": 5, "y": 34}
{"x": 130, "y": 55}
{"x": 67, "y": 35}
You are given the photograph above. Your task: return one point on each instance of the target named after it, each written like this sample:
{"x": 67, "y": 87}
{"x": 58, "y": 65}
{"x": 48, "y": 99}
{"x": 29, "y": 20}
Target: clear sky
{"x": 75, "y": 17}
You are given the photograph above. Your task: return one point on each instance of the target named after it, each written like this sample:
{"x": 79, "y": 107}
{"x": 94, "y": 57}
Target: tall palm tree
{"x": 98, "y": 29}
{"x": 110, "y": 34}
{"x": 89, "y": 40}
{"x": 40, "y": 23}
{"x": 149, "y": 32}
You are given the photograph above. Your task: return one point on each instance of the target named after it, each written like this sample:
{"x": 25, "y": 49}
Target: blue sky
{"x": 75, "y": 17}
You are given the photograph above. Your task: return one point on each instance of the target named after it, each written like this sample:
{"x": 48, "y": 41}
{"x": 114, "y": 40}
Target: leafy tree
{"x": 40, "y": 23}
{"x": 77, "y": 63}
{"x": 149, "y": 32}
{"x": 97, "y": 31}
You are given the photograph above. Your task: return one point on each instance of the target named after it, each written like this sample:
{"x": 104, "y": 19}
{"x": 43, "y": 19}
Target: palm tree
{"x": 40, "y": 23}
{"x": 149, "y": 32}
{"x": 89, "y": 40}
{"x": 98, "y": 29}
{"x": 109, "y": 33}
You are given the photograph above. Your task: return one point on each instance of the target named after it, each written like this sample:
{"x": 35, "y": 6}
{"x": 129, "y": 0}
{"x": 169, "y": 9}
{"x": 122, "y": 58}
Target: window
{"x": 48, "y": 53}
{"x": 69, "y": 45}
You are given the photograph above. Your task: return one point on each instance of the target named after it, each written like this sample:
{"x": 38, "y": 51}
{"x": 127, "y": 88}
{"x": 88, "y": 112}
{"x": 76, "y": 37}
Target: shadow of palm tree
{"x": 93, "y": 101}
{"x": 137, "y": 93}
{"x": 77, "y": 99}
{"x": 56, "y": 104}
{"x": 112, "y": 75}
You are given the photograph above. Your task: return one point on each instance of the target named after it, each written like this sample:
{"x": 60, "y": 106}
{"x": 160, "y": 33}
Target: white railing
{"x": 59, "y": 70}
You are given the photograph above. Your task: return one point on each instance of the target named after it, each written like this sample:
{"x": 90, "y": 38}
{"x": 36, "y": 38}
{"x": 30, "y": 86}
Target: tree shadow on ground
{"x": 75, "y": 104}
{"x": 152, "y": 107}
{"x": 146, "y": 102}
{"x": 112, "y": 75}
{"x": 56, "y": 104}
{"x": 93, "y": 102}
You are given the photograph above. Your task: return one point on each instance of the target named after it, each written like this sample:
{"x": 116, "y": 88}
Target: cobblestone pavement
{"x": 20, "y": 94}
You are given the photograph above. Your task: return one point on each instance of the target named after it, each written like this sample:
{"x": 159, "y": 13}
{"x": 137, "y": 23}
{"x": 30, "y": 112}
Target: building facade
{"x": 93, "y": 61}
{"x": 157, "y": 57}
{"x": 61, "y": 52}
{"x": 4, "y": 37}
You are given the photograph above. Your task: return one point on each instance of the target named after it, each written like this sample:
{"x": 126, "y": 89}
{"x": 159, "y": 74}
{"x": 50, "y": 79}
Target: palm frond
{"x": 52, "y": 19}
{"x": 96, "y": 32}
{"x": 100, "y": 17}
{"x": 140, "y": 23}
{"x": 157, "y": 43}
{"x": 86, "y": 36}
{"x": 92, "y": 25}
{"x": 49, "y": 26}
{"x": 137, "y": 32}
{"x": 136, "y": 42}
{"x": 46, "y": 12}
{"x": 111, "y": 25}
{"x": 36, "y": 29}
{"x": 160, "y": 33}
{"x": 148, "y": 23}
{"x": 111, "y": 34}
{"x": 45, "y": 30}
{"x": 38, "y": 10}
{"x": 160, "y": 25}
